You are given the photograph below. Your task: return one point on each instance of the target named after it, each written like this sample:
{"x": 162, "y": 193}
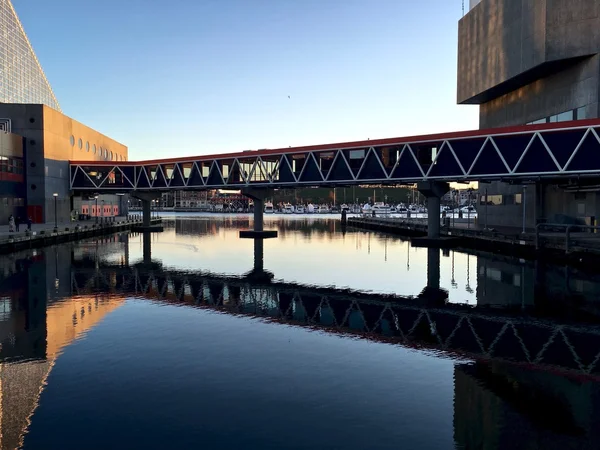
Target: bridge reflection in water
{"x": 519, "y": 354}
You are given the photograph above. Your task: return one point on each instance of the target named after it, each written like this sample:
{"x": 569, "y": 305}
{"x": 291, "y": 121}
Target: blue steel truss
{"x": 551, "y": 151}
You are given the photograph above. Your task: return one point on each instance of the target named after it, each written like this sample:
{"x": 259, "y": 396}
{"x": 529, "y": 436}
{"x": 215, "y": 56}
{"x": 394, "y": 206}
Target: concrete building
{"x": 528, "y": 62}
{"x": 37, "y": 140}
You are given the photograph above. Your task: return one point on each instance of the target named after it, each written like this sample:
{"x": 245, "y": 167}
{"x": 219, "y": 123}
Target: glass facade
{"x": 22, "y": 79}
{"x": 574, "y": 114}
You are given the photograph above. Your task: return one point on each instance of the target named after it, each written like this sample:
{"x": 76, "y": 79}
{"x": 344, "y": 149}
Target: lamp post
{"x": 96, "y": 210}
{"x": 55, "y": 195}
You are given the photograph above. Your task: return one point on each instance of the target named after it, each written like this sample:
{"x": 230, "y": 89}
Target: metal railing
{"x": 567, "y": 229}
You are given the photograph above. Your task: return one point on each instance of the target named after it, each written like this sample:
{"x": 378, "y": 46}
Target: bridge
{"x": 568, "y": 150}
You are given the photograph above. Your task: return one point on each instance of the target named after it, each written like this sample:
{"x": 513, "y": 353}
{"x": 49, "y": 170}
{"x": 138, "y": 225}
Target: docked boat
{"x": 269, "y": 208}
{"x": 288, "y": 209}
{"x": 299, "y": 209}
{"x": 345, "y": 207}
{"x": 323, "y": 209}
{"x": 381, "y": 208}
{"x": 310, "y": 208}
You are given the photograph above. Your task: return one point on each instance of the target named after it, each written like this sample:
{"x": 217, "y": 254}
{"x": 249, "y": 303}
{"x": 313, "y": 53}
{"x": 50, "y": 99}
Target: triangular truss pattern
{"x": 215, "y": 178}
{"x": 340, "y": 169}
{"x": 372, "y": 168}
{"x": 445, "y": 163}
{"x": 310, "y": 170}
{"x": 471, "y": 332}
{"x": 568, "y": 152}
{"x": 177, "y": 179}
{"x": 195, "y": 179}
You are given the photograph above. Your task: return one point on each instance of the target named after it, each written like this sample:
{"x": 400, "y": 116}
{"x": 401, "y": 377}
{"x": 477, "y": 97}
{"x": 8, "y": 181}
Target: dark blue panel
{"x": 562, "y": 143}
{"x": 445, "y": 164}
{"x": 489, "y": 162}
{"x": 177, "y": 178}
{"x": 311, "y": 172}
{"x": 143, "y": 179}
{"x": 81, "y": 180}
{"x": 159, "y": 179}
{"x": 129, "y": 172}
{"x": 195, "y": 177}
{"x": 285, "y": 173}
{"x": 372, "y": 170}
{"x": 214, "y": 177}
{"x": 536, "y": 159}
{"x": 512, "y": 147}
{"x": 339, "y": 170}
{"x": 407, "y": 167}
{"x": 235, "y": 176}
{"x": 466, "y": 150}
{"x": 588, "y": 155}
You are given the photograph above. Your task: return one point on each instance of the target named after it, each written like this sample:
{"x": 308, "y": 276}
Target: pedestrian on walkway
{"x": 17, "y": 223}
{"x": 29, "y": 222}
{"x": 11, "y": 224}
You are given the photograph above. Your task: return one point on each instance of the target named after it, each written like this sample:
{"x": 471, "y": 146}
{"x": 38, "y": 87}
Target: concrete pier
{"x": 147, "y": 198}
{"x": 258, "y": 197}
{"x": 434, "y": 191}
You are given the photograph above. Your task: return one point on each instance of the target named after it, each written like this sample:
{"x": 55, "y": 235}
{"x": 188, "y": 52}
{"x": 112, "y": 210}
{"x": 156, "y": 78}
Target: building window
{"x": 565, "y": 116}
{"x": 94, "y": 149}
{"x": 518, "y": 199}
{"x": 87, "y": 146}
{"x": 100, "y": 152}
{"x": 80, "y": 144}
{"x": 580, "y": 113}
{"x": 72, "y": 140}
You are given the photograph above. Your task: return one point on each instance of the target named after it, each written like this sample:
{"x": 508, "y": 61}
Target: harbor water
{"x": 325, "y": 337}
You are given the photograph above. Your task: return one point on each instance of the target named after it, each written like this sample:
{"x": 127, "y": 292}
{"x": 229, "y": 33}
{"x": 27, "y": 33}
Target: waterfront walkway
{"x": 48, "y": 227}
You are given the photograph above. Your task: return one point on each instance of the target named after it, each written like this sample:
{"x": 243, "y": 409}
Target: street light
{"x": 96, "y": 210}
{"x": 55, "y": 195}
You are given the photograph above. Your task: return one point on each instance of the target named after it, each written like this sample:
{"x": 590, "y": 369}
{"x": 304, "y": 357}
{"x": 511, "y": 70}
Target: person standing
{"x": 11, "y": 224}
{"x": 17, "y": 223}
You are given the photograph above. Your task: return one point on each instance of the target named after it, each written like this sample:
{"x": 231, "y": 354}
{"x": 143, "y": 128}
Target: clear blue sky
{"x": 189, "y": 77}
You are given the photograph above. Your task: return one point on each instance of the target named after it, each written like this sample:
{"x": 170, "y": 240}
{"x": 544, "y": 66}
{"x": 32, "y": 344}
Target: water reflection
{"x": 527, "y": 344}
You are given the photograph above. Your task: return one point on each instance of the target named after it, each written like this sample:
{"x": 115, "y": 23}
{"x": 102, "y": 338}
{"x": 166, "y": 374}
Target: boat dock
{"x": 563, "y": 242}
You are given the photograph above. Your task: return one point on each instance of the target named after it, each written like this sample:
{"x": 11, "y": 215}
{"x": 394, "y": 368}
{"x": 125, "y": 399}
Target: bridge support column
{"x": 147, "y": 198}
{"x": 258, "y": 196}
{"x": 434, "y": 191}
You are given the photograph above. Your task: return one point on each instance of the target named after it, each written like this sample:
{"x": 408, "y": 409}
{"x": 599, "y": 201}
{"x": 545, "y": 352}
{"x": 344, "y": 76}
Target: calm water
{"x": 323, "y": 339}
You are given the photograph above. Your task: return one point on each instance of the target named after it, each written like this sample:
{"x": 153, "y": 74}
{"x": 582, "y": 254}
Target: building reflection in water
{"x": 522, "y": 351}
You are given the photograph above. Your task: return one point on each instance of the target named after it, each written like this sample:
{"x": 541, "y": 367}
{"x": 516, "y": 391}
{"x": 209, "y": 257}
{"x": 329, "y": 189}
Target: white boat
{"x": 299, "y": 209}
{"x": 323, "y": 209}
{"x": 310, "y": 209}
{"x": 288, "y": 209}
{"x": 269, "y": 208}
{"x": 345, "y": 207}
{"x": 381, "y": 208}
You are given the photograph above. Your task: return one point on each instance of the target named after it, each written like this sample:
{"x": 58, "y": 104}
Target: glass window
{"x": 80, "y": 144}
{"x": 110, "y": 155}
{"x": 536, "y": 122}
{"x": 94, "y": 148}
{"x": 580, "y": 113}
{"x": 72, "y": 140}
{"x": 518, "y": 199}
{"x": 87, "y": 146}
{"x": 565, "y": 116}
{"x": 356, "y": 154}
{"x": 494, "y": 200}
{"x": 100, "y": 152}
{"x": 553, "y": 119}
